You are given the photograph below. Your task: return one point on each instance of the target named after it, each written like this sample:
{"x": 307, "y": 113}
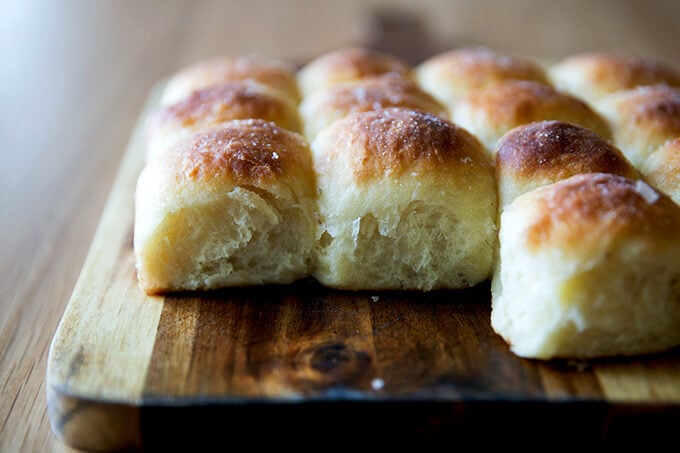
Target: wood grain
{"x": 75, "y": 75}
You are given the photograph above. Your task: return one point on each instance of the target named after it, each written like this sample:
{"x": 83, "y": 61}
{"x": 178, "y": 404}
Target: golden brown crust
{"x": 654, "y": 108}
{"x": 611, "y": 72}
{"x": 663, "y": 168}
{"x": 372, "y": 93}
{"x": 518, "y": 102}
{"x": 350, "y": 63}
{"x": 481, "y": 67}
{"x": 557, "y": 150}
{"x": 274, "y": 73}
{"x": 600, "y": 206}
{"x": 243, "y": 151}
{"x": 228, "y": 101}
{"x": 394, "y": 141}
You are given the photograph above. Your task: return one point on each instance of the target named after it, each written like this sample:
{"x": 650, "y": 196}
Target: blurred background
{"x": 75, "y": 75}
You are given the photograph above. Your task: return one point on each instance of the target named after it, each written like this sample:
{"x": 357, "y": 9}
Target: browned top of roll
{"x": 600, "y": 207}
{"x": 244, "y": 151}
{"x": 662, "y": 168}
{"x": 350, "y": 63}
{"x": 228, "y": 101}
{"x": 519, "y": 102}
{"x": 480, "y": 67}
{"x": 329, "y": 104}
{"x": 394, "y": 141}
{"x": 371, "y": 93}
{"x": 656, "y": 108}
{"x": 611, "y": 72}
{"x": 272, "y": 72}
{"x": 558, "y": 150}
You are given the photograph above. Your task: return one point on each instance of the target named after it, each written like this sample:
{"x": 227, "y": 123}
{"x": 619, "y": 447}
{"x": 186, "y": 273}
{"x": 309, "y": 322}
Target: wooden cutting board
{"x": 302, "y": 362}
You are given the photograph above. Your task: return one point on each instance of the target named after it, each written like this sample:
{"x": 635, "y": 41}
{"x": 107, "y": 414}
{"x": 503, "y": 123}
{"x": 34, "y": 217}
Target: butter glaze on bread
{"x": 643, "y": 119}
{"x": 406, "y": 201}
{"x": 541, "y": 153}
{"x": 347, "y": 64}
{"x": 593, "y": 76}
{"x": 274, "y": 73}
{"x": 217, "y": 104}
{"x": 229, "y": 206}
{"x": 662, "y": 169}
{"x": 492, "y": 112}
{"x": 588, "y": 267}
{"x": 453, "y": 74}
{"x": 330, "y": 104}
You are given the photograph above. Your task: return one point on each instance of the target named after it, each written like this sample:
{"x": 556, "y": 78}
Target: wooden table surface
{"x": 75, "y": 75}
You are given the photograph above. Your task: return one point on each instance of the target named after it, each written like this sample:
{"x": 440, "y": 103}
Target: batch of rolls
{"x": 558, "y": 182}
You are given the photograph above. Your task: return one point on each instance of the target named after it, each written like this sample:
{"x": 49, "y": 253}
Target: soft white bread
{"x": 406, "y": 201}
{"x": 275, "y": 73}
{"x": 541, "y": 153}
{"x": 662, "y": 169}
{"x": 231, "y": 205}
{"x": 642, "y": 119}
{"x": 492, "y": 112}
{"x": 453, "y": 74}
{"x": 214, "y": 105}
{"x": 330, "y": 104}
{"x": 588, "y": 267}
{"x": 593, "y": 76}
{"x": 346, "y": 64}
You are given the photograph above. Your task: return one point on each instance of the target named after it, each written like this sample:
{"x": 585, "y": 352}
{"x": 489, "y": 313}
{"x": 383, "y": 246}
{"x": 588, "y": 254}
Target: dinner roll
{"x": 492, "y": 112}
{"x": 230, "y": 205}
{"x": 275, "y": 73}
{"x": 346, "y": 64}
{"x": 592, "y": 76}
{"x": 642, "y": 119}
{"x": 662, "y": 169}
{"x": 216, "y": 104}
{"x": 327, "y": 105}
{"x": 541, "y": 153}
{"x": 589, "y": 267}
{"x": 450, "y": 75}
{"x": 406, "y": 201}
